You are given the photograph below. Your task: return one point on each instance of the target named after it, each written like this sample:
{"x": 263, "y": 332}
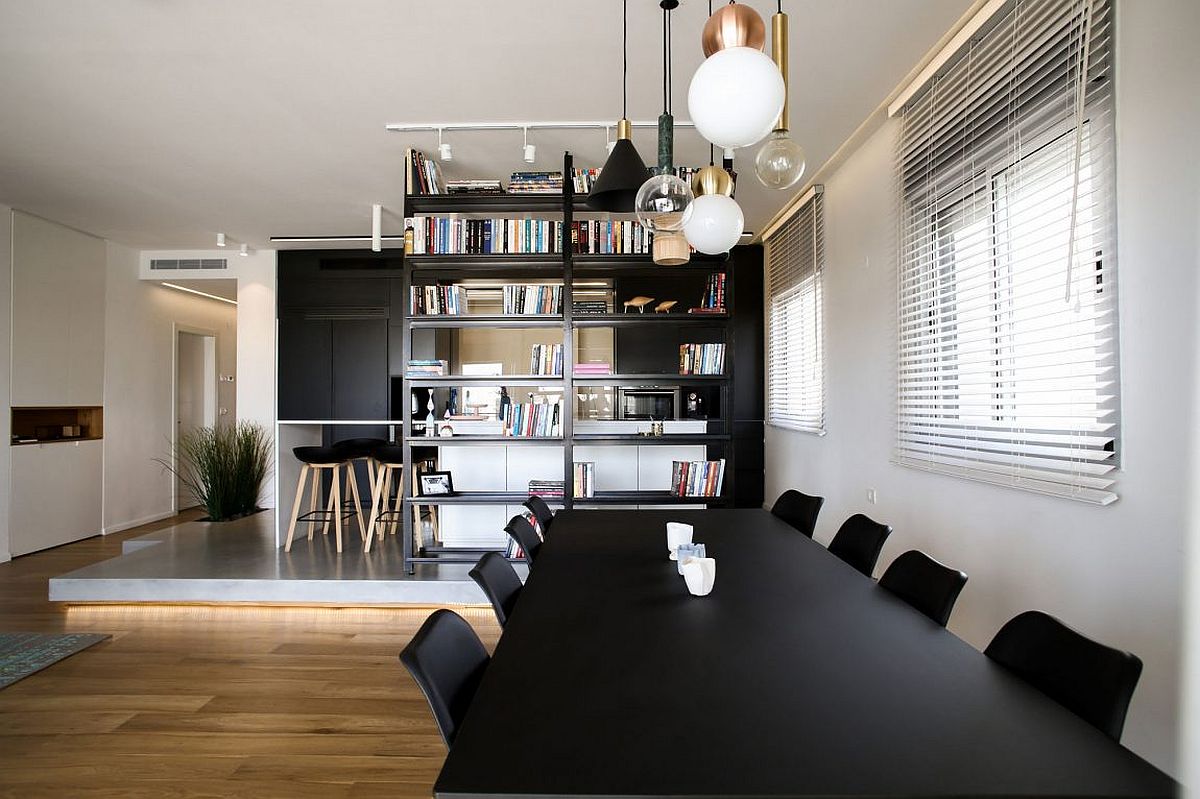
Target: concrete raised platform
{"x": 238, "y": 562}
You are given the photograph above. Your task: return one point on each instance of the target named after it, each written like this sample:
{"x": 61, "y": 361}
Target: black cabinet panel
{"x": 360, "y": 368}
{"x": 748, "y": 333}
{"x": 305, "y": 368}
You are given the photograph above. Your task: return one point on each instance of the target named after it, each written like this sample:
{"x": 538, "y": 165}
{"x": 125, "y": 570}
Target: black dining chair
{"x": 799, "y": 510}
{"x": 541, "y": 511}
{"x": 1090, "y": 679}
{"x": 859, "y": 541}
{"x": 526, "y": 537}
{"x": 927, "y": 585}
{"x": 447, "y": 660}
{"x": 499, "y": 582}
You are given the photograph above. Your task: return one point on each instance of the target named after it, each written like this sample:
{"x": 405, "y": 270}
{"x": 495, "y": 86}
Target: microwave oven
{"x": 644, "y": 404}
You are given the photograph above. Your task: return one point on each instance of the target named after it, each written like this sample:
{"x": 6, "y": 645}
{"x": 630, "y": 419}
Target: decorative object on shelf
{"x": 430, "y": 419}
{"x": 780, "y": 162}
{"x": 737, "y": 93}
{"x": 436, "y": 484}
{"x": 665, "y": 306}
{"x": 445, "y": 431}
{"x": 735, "y": 25}
{"x": 664, "y": 202}
{"x": 638, "y": 302}
{"x": 693, "y": 406}
{"x": 624, "y": 172}
{"x": 656, "y": 428}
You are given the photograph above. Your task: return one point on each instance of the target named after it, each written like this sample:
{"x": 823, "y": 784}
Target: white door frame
{"x": 176, "y": 329}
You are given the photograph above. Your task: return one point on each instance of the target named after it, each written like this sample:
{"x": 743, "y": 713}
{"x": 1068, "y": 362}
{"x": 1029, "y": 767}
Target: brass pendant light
{"x": 734, "y": 25}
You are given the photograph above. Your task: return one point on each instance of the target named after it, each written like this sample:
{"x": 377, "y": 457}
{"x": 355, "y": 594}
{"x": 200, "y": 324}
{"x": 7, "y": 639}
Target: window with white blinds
{"x": 1007, "y": 368}
{"x": 795, "y": 329}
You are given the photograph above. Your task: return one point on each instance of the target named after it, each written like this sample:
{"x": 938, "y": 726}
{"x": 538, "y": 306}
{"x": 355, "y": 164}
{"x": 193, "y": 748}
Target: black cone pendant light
{"x": 624, "y": 173}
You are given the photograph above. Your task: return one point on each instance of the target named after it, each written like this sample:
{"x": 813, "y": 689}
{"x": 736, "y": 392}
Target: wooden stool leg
{"x": 376, "y": 485}
{"x": 315, "y": 500}
{"x": 371, "y": 467}
{"x": 296, "y": 507}
{"x": 329, "y": 506}
{"x": 385, "y": 502}
{"x": 337, "y": 506}
{"x": 399, "y": 499}
{"x": 350, "y": 470}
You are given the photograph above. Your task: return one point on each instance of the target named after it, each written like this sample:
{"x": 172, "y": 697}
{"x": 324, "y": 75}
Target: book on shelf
{"x": 701, "y": 359}
{"x": 547, "y": 359}
{"x": 713, "y": 300}
{"x": 532, "y": 419}
{"x": 513, "y": 550}
{"x": 587, "y": 369}
{"x": 437, "y": 301}
{"x": 532, "y": 299}
{"x": 547, "y": 489}
{"x": 697, "y": 478}
{"x": 589, "y": 307}
{"x": 426, "y": 368}
{"x": 424, "y": 176}
{"x": 583, "y": 482}
{"x": 474, "y": 187}
{"x": 535, "y": 183}
{"x": 437, "y": 235}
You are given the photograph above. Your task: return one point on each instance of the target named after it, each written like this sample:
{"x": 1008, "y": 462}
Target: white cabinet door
{"x": 56, "y": 494}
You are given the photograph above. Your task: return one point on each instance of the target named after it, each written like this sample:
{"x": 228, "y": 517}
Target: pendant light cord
{"x": 625, "y": 59}
{"x": 664, "y": 35}
{"x": 711, "y": 162}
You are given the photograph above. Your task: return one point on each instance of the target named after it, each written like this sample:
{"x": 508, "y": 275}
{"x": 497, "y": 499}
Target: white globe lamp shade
{"x": 716, "y": 224}
{"x": 664, "y": 203}
{"x": 780, "y": 161}
{"x": 735, "y": 97}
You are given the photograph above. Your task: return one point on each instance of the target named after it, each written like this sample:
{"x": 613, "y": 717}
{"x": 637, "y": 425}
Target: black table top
{"x": 796, "y": 676}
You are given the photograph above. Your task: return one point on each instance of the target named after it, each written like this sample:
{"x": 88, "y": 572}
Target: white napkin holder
{"x": 700, "y": 574}
{"x": 677, "y": 533}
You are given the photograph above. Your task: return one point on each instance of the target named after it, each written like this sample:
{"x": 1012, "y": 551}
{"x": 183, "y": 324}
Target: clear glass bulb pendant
{"x": 664, "y": 203}
{"x": 780, "y": 161}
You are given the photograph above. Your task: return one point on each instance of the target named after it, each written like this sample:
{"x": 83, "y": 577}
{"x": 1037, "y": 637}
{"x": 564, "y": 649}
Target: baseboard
{"x": 122, "y": 526}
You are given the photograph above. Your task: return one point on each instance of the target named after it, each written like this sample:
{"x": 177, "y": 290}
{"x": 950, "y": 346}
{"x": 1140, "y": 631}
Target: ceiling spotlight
{"x": 220, "y": 239}
{"x": 609, "y": 144}
{"x": 444, "y": 151}
{"x": 245, "y": 251}
{"x": 529, "y": 151}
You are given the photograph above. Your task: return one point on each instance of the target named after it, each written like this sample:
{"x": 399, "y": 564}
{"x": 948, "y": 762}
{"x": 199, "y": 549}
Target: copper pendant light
{"x": 735, "y": 25}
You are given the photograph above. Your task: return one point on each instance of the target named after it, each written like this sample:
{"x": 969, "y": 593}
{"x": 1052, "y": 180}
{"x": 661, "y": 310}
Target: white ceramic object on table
{"x": 700, "y": 574}
{"x": 677, "y": 533}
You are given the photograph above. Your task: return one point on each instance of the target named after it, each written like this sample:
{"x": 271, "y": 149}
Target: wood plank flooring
{"x": 208, "y": 701}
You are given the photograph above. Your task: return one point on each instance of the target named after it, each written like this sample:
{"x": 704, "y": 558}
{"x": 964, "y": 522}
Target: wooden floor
{"x": 191, "y": 701}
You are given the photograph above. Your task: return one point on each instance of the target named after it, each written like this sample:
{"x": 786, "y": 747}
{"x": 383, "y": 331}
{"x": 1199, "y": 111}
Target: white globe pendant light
{"x": 735, "y": 97}
{"x": 715, "y": 225}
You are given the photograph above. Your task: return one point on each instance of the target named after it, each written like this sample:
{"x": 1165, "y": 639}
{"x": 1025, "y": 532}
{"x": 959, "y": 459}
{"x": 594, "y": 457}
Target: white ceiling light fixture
{"x": 444, "y": 151}
{"x": 528, "y": 151}
{"x": 197, "y": 292}
{"x": 609, "y": 144}
{"x": 244, "y": 251}
{"x": 220, "y": 239}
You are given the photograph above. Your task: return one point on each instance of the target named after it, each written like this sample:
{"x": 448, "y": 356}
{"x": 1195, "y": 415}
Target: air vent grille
{"x": 188, "y": 263}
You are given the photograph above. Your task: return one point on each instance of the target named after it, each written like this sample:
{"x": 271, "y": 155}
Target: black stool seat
{"x": 319, "y": 454}
{"x": 360, "y": 447}
{"x": 389, "y": 453}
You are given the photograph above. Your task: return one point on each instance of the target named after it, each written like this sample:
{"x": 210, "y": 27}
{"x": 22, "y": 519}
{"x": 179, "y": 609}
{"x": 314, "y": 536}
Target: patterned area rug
{"x": 22, "y": 654}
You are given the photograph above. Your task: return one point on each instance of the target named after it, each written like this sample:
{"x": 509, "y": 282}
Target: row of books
{"x": 592, "y": 369}
{"x": 435, "y": 235}
{"x": 547, "y": 489}
{"x": 535, "y": 183}
{"x": 437, "y": 300}
{"x": 713, "y": 300}
{"x": 533, "y": 299}
{"x": 531, "y": 419}
{"x": 426, "y": 368}
{"x": 582, "y": 180}
{"x": 589, "y": 307}
{"x": 701, "y": 359}
{"x": 610, "y": 237}
{"x": 473, "y": 187}
{"x": 583, "y": 481}
{"x": 697, "y": 478}
{"x": 423, "y": 174}
{"x": 547, "y": 359}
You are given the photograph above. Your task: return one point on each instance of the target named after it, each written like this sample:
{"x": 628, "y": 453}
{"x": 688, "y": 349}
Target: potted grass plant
{"x": 223, "y": 467}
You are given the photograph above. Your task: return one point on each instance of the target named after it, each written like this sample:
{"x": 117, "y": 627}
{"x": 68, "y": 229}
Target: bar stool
{"x": 314, "y": 460}
{"x": 360, "y": 449}
{"x": 389, "y": 460}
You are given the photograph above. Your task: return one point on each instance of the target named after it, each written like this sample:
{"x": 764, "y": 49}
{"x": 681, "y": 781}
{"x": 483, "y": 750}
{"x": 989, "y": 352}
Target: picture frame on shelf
{"x": 436, "y": 484}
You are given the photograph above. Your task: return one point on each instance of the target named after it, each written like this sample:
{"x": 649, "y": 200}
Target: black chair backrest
{"x": 500, "y": 584}
{"x": 1092, "y": 680}
{"x": 799, "y": 510}
{"x": 526, "y": 537}
{"x": 541, "y": 511}
{"x": 859, "y": 541}
{"x": 927, "y": 585}
{"x": 447, "y": 660}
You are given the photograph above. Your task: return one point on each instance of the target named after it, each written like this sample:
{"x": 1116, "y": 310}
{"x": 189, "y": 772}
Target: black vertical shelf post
{"x": 408, "y": 527}
{"x": 568, "y": 307}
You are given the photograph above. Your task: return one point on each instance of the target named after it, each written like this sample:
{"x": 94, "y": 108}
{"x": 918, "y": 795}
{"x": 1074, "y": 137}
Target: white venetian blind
{"x": 1007, "y": 355}
{"x": 795, "y": 329}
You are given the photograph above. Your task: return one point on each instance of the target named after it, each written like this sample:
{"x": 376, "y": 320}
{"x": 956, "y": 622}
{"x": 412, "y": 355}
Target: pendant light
{"x": 737, "y": 94}
{"x": 780, "y": 162}
{"x": 624, "y": 172}
{"x": 717, "y": 220}
{"x": 664, "y": 202}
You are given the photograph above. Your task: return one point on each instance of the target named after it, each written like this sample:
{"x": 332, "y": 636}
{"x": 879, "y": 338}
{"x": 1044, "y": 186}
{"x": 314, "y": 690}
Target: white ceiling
{"x": 158, "y": 123}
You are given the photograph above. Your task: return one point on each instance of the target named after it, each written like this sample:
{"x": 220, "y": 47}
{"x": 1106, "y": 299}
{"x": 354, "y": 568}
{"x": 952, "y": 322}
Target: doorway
{"x": 195, "y": 395}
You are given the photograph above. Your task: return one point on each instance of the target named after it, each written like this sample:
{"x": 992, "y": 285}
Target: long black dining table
{"x": 797, "y": 676}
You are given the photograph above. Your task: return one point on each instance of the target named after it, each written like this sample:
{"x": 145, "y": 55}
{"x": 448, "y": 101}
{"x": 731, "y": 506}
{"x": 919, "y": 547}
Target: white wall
{"x": 1114, "y": 573}
{"x": 139, "y": 411}
{"x": 5, "y": 367}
